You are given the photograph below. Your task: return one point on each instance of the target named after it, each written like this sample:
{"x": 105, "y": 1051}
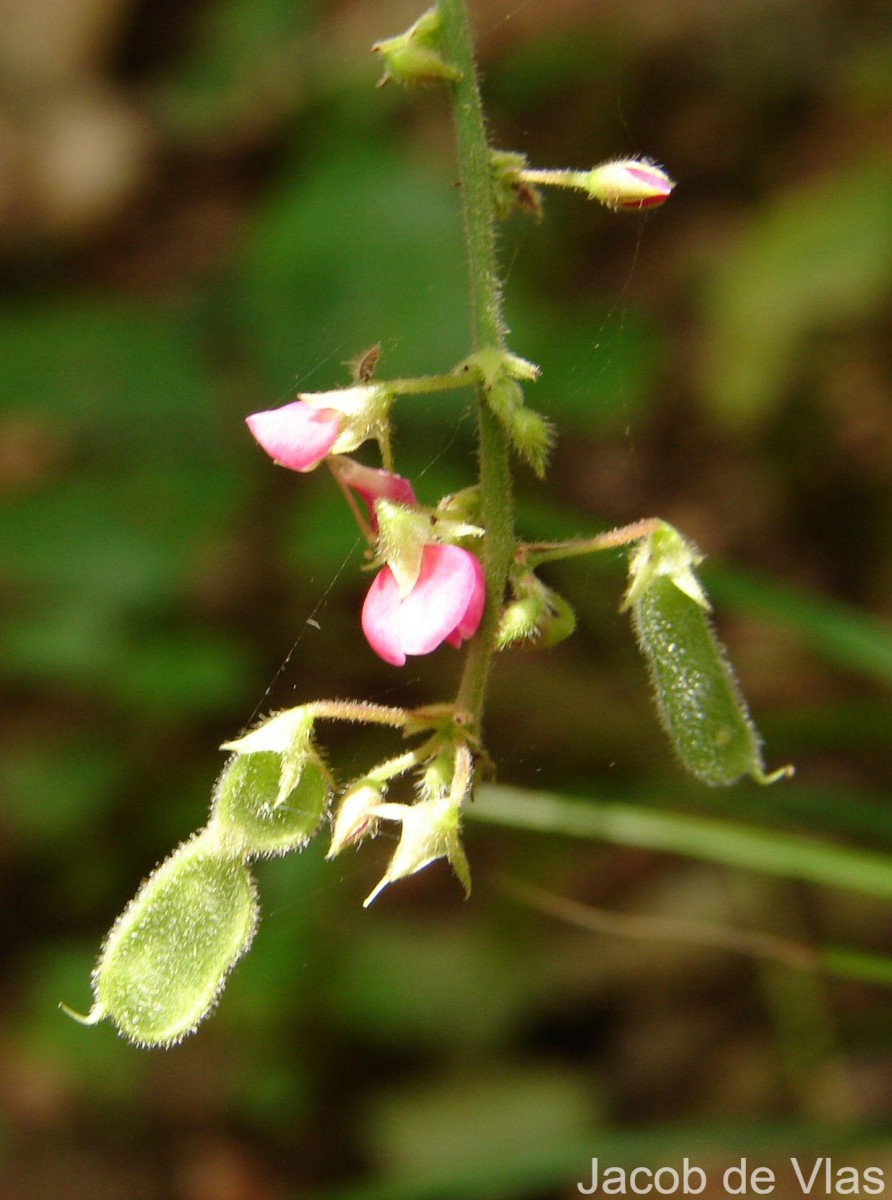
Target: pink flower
{"x": 298, "y": 435}
{"x": 444, "y": 605}
{"x": 301, "y": 434}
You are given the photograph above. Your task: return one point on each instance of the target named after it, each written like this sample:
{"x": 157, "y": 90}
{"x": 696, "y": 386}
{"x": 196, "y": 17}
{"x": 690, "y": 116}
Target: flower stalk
{"x": 487, "y": 330}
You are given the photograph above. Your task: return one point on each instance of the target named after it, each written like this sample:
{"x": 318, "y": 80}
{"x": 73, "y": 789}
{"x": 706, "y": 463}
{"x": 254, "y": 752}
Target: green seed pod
{"x": 250, "y": 818}
{"x": 697, "y": 694}
{"x": 167, "y": 956}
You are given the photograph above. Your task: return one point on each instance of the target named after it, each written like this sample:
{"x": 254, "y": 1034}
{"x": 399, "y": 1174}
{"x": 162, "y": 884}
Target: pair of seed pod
{"x": 166, "y": 958}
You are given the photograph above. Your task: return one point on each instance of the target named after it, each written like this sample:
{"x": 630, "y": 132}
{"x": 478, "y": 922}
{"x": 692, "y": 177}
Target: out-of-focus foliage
{"x": 203, "y": 207}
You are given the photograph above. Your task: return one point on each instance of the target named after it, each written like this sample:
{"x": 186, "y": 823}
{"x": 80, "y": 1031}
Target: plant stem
{"x": 560, "y": 178}
{"x": 537, "y": 553}
{"x": 487, "y": 329}
{"x": 422, "y": 384}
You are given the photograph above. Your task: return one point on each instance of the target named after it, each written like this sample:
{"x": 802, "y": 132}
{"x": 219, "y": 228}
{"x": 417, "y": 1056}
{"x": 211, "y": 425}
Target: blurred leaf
{"x": 126, "y": 381}
{"x": 97, "y": 1063}
{"x": 725, "y": 842}
{"x": 856, "y": 964}
{"x": 818, "y": 256}
{"x": 486, "y": 1110}
{"x": 410, "y": 981}
{"x": 182, "y": 672}
{"x": 836, "y": 632}
{"x": 841, "y": 811}
{"x": 598, "y": 369}
{"x": 56, "y": 787}
{"x": 248, "y": 63}
{"x": 528, "y": 1169}
{"x": 138, "y": 476}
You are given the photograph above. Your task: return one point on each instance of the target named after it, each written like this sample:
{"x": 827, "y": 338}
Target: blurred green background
{"x": 203, "y": 207}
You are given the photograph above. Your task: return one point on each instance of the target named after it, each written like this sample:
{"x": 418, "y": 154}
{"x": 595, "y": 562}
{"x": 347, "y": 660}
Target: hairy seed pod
{"x": 167, "y": 956}
{"x": 251, "y": 817}
{"x": 698, "y": 698}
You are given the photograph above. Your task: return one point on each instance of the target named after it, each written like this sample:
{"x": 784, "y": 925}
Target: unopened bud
{"x": 558, "y": 623}
{"x": 538, "y": 616}
{"x": 629, "y": 184}
{"x": 519, "y": 621}
{"x": 356, "y": 817}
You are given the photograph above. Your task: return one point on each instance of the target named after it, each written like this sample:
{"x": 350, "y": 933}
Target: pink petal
{"x": 652, "y": 185}
{"x": 470, "y": 622}
{"x": 374, "y": 483}
{"x": 445, "y": 603}
{"x": 391, "y": 487}
{"x": 297, "y": 436}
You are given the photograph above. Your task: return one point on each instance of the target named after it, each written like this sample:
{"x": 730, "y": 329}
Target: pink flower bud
{"x": 373, "y": 483}
{"x": 630, "y": 184}
{"x": 298, "y": 435}
{"x": 444, "y": 605}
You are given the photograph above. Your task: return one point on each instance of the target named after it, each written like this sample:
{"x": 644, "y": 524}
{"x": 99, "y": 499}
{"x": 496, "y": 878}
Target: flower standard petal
{"x": 446, "y": 603}
{"x": 297, "y": 435}
{"x": 470, "y": 622}
{"x": 381, "y": 618}
{"x": 436, "y": 607}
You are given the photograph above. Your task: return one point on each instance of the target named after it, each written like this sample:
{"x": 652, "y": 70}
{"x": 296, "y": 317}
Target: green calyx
{"x": 289, "y": 735}
{"x": 250, "y": 815}
{"x": 415, "y": 56}
{"x": 665, "y": 554}
{"x": 511, "y": 193}
{"x": 430, "y": 831}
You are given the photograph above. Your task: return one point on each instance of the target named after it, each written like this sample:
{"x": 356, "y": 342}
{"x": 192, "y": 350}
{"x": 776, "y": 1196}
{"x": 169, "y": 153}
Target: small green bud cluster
{"x": 415, "y": 56}
{"x": 530, "y": 434}
{"x": 536, "y": 615}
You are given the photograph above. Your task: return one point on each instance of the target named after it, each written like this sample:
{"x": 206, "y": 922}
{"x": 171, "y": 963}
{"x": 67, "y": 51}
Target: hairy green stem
{"x": 422, "y": 384}
{"x": 537, "y": 553}
{"x": 487, "y": 329}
